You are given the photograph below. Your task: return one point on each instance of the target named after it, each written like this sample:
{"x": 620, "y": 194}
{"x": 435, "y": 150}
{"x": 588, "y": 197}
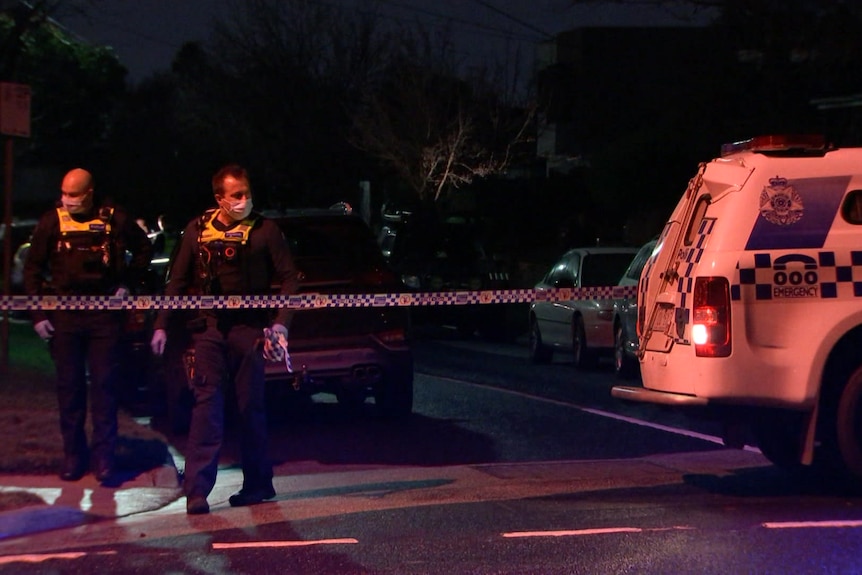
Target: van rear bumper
{"x": 644, "y": 395}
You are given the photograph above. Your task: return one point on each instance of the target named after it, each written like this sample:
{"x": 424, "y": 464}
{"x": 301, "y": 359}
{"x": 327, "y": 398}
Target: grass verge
{"x": 29, "y": 415}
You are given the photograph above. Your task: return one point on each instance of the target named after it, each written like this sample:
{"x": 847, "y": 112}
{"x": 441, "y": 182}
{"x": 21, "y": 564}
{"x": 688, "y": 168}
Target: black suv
{"x": 351, "y": 352}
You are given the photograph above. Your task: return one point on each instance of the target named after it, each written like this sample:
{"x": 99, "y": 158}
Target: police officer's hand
{"x": 45, "y": 329}
{"x": 122, "y": 291}
{"x": 157, "y": 344}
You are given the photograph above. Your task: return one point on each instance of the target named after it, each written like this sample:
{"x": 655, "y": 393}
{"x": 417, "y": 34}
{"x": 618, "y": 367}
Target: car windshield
{"x": 334, "y": 241}
{"x": 604, "y": 269}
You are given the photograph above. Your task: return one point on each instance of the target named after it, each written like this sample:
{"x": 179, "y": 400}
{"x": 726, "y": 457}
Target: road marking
{"x": 599, "y": 412}
{"x": 571, "y": 532}
{"x": 39, "y": 557}
{"x": 811, "y": 524}
{"x": 594, "y": 531}
{"x": 258, "y": 544}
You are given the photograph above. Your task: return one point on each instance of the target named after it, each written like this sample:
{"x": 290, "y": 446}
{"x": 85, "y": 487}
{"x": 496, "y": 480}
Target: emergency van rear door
{"x": 666, "y": 285}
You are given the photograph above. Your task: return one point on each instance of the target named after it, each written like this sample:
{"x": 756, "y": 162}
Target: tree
{"x": 274, "y": 91}
{"x": 437, "y": 129}
{"x": 75, "y": 86}
{"x": 314, "y": 98}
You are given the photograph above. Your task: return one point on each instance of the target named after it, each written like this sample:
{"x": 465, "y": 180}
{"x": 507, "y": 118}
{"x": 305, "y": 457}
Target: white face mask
{"x": 238, "y": 210}
{"x": 76, "y": 205}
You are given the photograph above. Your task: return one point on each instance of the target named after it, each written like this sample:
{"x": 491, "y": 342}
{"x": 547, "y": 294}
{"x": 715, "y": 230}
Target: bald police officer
{"x": 81, "y": 248}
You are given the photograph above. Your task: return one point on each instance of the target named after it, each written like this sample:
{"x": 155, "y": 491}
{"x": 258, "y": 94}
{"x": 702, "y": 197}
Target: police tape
{"x": 311, "y": 300}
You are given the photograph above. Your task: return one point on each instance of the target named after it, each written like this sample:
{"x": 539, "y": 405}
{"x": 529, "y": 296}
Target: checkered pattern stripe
{"x": 691, "y": 257}
{"x": 310, "y": 300}
{"x": 838, "y": 275}
{"x": 688, "y": 258}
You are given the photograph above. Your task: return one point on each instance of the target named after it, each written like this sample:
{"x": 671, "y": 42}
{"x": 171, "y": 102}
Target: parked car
{"x": 21, "y": 232}
{"x": 22, "y": 229}
{"x": 626, "y": 316}
{"x": 583, "y": 327}
{"x": 353, "y": 353}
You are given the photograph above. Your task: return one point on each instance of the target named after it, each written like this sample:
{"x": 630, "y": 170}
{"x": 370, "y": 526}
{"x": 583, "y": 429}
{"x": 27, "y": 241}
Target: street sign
{"x": 14, "y": 109}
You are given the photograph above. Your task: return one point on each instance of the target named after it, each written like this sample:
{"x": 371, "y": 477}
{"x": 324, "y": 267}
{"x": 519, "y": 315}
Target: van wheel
{"x": 848, "y": 424}
{"x": 539, "y": 353}
{"x": 624, "y": 366}
{"x": 779, "y": 436}
{"x": 584, "y": 356}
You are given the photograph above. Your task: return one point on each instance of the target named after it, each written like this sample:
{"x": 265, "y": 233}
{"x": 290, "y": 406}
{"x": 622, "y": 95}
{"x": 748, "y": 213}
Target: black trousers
{"x": 86, "y": 342}
{"x": 225, "y": 355}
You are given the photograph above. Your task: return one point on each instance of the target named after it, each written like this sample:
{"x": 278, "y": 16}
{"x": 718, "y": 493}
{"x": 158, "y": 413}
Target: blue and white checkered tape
{"x": 309, "y": 300}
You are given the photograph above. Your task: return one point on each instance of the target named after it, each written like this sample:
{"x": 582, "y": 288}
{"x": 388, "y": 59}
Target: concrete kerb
{"x": 68, "y": 504}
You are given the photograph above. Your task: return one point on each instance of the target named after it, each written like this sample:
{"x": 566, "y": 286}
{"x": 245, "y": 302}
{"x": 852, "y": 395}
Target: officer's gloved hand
{"x": 157, "y": 344}
{"x": 275, "y": 343}
{"x": 45, "y": 329}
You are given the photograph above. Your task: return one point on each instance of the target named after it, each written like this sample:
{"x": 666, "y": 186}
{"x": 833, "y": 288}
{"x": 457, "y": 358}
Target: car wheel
{"x": 584, "y": 356}
{"x": 394, "y": 398}
{"x": 624, "y": 366}
{"x": 538, "y": 352}
{"x": 848, "y": 426}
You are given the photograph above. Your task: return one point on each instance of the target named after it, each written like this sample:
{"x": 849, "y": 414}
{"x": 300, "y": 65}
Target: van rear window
{"x": 696, "y": 218}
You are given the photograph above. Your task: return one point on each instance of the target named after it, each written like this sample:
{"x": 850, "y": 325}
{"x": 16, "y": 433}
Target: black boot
{"x": 74, "y": 468}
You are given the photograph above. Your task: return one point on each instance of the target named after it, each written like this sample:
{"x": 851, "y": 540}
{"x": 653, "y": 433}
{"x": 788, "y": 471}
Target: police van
{"x": 750, "y": 306}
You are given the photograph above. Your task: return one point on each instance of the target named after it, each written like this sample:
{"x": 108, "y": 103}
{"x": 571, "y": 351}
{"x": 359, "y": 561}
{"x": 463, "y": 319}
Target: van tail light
{"x": 710, "y": 330}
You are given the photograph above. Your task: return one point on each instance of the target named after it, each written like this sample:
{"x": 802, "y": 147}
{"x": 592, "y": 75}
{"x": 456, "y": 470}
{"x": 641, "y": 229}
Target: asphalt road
{"x": 505, "y": 468}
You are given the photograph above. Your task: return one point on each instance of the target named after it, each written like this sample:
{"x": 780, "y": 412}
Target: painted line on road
{"x": 811, "y": 524}
{"x": 40, "y": 557}
{"x": 571, "y": 532}
{"x": 599, "y": 412}
{"x": 594, "y": 531}
{"x": 259, "y": 544}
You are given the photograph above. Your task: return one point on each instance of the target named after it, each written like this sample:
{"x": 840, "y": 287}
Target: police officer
{"x": 229, "y": 250}
{"x": 80, "y": 248}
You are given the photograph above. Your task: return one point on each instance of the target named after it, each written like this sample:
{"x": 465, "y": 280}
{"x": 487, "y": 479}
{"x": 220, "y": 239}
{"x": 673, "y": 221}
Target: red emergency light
{"x": 766, "y": 144}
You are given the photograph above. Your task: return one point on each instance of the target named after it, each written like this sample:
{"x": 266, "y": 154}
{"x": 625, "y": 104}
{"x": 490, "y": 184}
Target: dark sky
{"x": 146, "y": 34}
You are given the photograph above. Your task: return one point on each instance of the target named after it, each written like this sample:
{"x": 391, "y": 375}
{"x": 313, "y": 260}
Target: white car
{"x": 582, "y": 327}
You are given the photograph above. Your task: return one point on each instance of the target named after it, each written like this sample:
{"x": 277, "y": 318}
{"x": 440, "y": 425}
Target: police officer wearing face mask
{"x": 80, "y": 248}
{"x": 229, "y": 250}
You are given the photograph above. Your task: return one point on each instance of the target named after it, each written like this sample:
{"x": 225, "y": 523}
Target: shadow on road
{"x": 329, "y": 434}
{"x": 772, "y": 481}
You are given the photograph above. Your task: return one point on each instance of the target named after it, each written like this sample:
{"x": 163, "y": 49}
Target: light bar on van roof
{"x": 776, "y": 144}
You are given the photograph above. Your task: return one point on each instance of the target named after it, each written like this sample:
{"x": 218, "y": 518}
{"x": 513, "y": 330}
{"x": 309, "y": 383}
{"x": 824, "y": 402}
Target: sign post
{"x": 14, "y": 122}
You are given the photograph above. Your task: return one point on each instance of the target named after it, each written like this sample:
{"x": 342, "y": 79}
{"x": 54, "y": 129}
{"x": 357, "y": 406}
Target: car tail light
{"x": 710, "y": 330}
{"x": 392, "y": 336}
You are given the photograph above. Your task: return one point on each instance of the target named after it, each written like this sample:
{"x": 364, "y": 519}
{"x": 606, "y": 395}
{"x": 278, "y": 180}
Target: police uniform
{"x": 247, "y": 257}
{"x": 86, "y": 254}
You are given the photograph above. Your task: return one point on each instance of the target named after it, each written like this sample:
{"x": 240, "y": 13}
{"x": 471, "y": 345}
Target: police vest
{"x": 85, "y": 251}
{"x": 221, "y": 249}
